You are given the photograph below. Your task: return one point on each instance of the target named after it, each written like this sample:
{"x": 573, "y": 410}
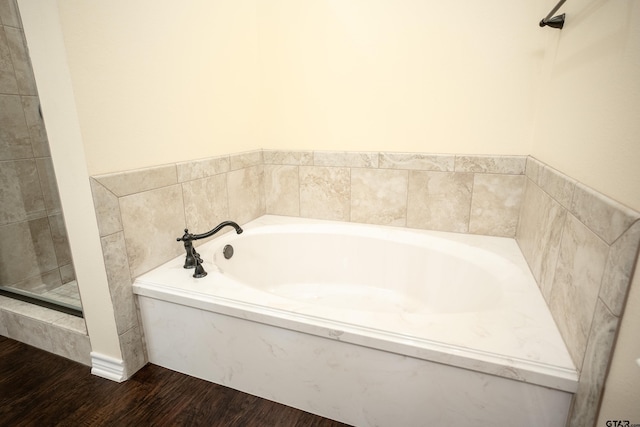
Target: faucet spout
{"x": 192, "y": 259}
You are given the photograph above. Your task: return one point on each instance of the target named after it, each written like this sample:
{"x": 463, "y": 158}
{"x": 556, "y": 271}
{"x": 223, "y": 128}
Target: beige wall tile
{"x": 139, "y": 180}
{"x": 281, "y": 157}
{"x": 282, "y": 190}
{"x": 495, "y": 204}
{"x": 417, "y": 161}
{"x": 557, "y": 185}
{"x": 576, "y": 285}
{"x": 203, "y": 168}
{"x": 604, "y": 216}
{"x": 538, "y": 234}
{"x": 533, "y": 168}
{"x": 439, "y": 200}
{"x": 118, "y": 275}
{"x": 514, "y": 165}
{"x": 9, "y": 13}
{"x": 8, "y": 82}
{"x": 73, "y": 345}
{"x": 152, "y": 221}
{"x": 15, "y": 142}
{"x": 594, "y": 369}
{"x": 245, "y": 160}
{"x": 26, "y": 249}
{"x": 107, "y": 209}
{"x": 49, "y": 185}
{"x": 21, "y": 63}
{"x": 325, "y": 193}
{"x": 21, "y": 194}
{"x": 245, "y": 188}
{"x": 379, "y": 196}
{"x": 133, "y": 350}
{"x": 35, "y": 124}
{"x": 358, "y": 159}
{"x": 60, "y": 239}
{"x": 617, "y": 273}
{"x": 205, "y": 203}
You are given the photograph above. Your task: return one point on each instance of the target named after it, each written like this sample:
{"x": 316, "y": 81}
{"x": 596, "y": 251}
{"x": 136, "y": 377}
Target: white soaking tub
{"x": 365, "y": 324}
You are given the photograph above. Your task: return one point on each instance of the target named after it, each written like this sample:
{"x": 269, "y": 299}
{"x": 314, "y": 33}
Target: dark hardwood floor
{"x": 41, "y": 389}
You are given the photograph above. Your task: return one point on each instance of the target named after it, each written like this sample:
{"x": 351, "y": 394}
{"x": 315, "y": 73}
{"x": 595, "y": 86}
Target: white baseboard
{"x": 107, "y": 367}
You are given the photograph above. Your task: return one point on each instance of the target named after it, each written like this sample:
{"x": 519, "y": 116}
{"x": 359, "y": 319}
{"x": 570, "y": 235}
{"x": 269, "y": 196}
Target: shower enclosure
{"x": 35, "y": 260}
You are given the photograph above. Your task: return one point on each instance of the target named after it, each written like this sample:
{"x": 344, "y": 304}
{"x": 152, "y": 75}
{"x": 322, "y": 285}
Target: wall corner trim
{"x": 107, "y": 367}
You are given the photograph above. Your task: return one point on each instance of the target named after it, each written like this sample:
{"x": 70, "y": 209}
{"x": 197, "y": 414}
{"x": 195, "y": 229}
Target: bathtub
{"x": 367, "y": 325}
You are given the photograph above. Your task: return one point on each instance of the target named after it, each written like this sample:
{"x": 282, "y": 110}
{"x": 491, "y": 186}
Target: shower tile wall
{"x": 33, "y": 240}
{"x": 581, "y": 247}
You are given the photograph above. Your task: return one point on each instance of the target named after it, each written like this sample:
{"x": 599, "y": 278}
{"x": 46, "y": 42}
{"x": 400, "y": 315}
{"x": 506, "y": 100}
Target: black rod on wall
{"x": 555, "y": 21}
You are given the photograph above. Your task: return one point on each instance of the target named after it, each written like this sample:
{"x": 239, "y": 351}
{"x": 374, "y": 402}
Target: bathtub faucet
{"x": 193, "y": 259}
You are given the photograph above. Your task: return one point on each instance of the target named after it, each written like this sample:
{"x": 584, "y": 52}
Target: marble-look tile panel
{"x": 439, "y": 200}
{"x": 9, "y": 15}
{"x": 604, "y": 216}
{"x": 379, "y": 196}
{"x": 533, "y": 168}
{"x": 245, "y": 188}
{"x": 72, "y": 345}
{"x": 134, "y": 352}
{"x": 282, "y": 157}
{"x": 594, "y": 370}
{"x": 40, "y": 283}
{"x": 29, "y": 330}
{"x": 557, "y": 185}
{"x": 107, "y": 209}
{"x": 15, "y": 142}
{"x": 245, "y": 160}
{"x": 151, "y": 222}
{"x": 37, "y": 131}
{"x": 118, "y": 274}
{"x": 67, "y": 273}
{"x": 513, "y": 165}
{"x": 325, "y": 193}
{"x": 282, "y": 190}
{"x": 139, "y": 180}
{"x": 617, "y": 273}
{"x": 538, "y": 235}
{"x": 21, "y": 63}
{"x": 576, "y": 285}
{"x": 26, "y": 249}
{"x": 60, "y": 239}
{"x": 417, "y": 161}
{"x": 8, "y": 82}
{"x": 203, "y": 168}
{"x": 21, "y": 194}
{"x": 205, "y": 203}
{"x": 353, "y": 159}
{"x": 49, "y": 185}
{"x": 495, "y": 204}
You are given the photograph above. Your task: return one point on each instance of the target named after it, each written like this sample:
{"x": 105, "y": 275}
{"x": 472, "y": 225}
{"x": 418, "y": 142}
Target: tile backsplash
{"x": 580, "y": 245}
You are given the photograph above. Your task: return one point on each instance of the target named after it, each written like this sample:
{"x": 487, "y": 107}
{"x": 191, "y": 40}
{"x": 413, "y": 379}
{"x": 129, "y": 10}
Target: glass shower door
{"x": 35, "y": 260}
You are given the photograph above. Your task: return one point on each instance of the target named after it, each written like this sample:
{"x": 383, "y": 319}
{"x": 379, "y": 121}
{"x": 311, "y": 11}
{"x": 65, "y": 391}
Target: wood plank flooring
{"x": 41, "y": 389}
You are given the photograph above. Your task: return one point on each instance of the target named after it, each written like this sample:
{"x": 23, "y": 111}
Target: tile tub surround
{"x": 514, "y": 196}
{"x": 581, "y": 247}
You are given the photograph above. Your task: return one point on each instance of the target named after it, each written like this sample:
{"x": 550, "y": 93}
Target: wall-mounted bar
{"x": 556, "y": 21}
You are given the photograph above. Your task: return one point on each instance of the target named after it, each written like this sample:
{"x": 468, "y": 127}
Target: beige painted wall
{"x": 588, "y": 122}
{"x": 422, "y": 76}
{"x": 162, "y": 81}
{"x": 158, "y": 82}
